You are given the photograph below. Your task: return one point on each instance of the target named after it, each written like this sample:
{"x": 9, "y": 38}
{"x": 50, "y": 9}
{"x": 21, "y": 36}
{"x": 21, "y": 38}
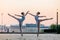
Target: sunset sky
{"x": 46, "y": 7}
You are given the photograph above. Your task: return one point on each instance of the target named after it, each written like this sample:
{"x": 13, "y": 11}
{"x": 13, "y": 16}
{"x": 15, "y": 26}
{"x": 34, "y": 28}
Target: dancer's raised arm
{"x": 12, "y": 16}
{"x": 18, "y": 15}
{"x": 31, "y": 14}
{"x": 42, "y": 16}
{"x": 26, "y": 13}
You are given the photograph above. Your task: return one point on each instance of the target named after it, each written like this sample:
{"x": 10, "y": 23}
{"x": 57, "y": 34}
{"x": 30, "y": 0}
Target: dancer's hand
{"x": 8, "y": 14}
{"x": 27, "y": 12}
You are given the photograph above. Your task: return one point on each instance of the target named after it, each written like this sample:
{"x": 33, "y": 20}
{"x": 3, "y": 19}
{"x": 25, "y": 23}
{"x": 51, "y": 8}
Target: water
{"x": 30, "y": 37}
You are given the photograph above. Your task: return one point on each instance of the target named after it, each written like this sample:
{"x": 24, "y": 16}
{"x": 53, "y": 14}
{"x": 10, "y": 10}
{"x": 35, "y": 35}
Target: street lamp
{"x": 2, "y": 20}
{"x": 57, "y": 20}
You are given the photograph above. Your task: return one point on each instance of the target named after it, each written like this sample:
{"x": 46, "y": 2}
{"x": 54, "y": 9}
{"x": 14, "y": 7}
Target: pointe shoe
{"x": 51, "y": 18}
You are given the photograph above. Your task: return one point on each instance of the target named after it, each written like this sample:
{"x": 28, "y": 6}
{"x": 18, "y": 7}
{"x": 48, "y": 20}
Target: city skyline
{"x": 16, "y": 28}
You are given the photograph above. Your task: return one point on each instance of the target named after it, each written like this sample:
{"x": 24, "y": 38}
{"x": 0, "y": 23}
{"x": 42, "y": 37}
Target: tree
{"x": 53, "y": 26}
{"x": 57, "y": 28}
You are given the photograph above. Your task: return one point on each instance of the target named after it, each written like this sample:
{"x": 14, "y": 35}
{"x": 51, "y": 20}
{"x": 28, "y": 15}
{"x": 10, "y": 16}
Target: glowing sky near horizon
{"x": 46, "y": 7}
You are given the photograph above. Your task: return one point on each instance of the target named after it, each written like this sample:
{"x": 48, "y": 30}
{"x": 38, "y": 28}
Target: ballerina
{"x": 20, "y": 20}
{"x": 39, "y": 20}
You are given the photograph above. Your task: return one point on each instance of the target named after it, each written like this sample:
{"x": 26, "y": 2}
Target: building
{"x": 27, "y": 28}
{"x": 33, "y": 28}
{"x": 14, "y": 28}
{"x": 3, "y": 28}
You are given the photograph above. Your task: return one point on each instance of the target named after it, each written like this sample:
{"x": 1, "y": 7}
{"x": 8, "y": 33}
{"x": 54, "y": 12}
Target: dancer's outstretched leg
{"x": 13, "y": 17}
{"x": 45, "y": 19}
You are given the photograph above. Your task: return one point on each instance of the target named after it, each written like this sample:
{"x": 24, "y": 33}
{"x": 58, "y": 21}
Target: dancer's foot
{"x": 51, "y": 18}
{"x": 22, "y": 35}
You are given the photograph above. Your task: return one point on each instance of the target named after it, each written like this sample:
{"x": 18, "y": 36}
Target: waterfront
{"x": 30, "y": 37}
